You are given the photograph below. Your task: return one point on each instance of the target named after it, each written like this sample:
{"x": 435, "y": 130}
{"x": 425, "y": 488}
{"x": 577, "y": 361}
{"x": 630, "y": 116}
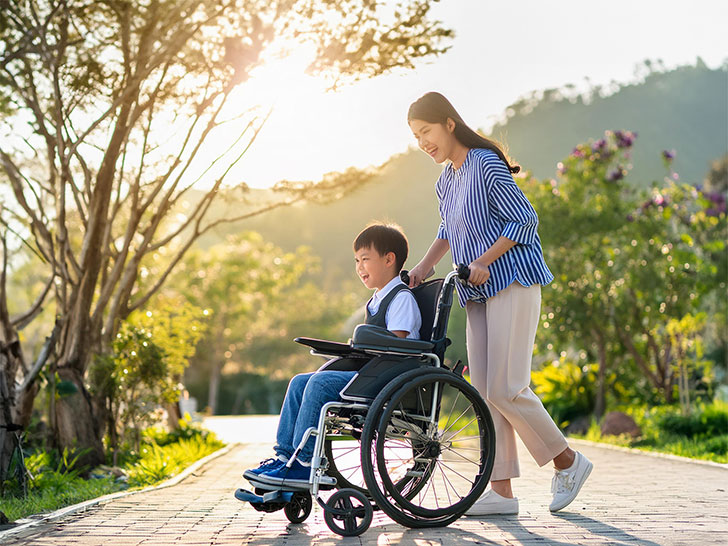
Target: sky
{"x": 501, "y": 51}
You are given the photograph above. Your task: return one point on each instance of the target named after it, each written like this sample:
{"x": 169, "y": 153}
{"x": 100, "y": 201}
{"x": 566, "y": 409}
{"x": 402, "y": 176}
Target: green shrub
{"x": 158, "y": 463}
{"x": 711, "y": 420}
{"x": 566, "y": 389}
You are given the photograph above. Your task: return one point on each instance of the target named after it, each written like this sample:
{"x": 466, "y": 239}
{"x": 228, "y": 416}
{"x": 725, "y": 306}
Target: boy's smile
{"x": 374, "y": 270}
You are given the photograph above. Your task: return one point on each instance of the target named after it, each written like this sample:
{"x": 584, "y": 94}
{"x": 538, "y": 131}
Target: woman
{"x": 488, "y": 223}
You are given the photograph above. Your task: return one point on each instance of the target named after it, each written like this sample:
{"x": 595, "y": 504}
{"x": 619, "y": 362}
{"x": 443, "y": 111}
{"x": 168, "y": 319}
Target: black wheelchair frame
{"x": 409, "y": 436}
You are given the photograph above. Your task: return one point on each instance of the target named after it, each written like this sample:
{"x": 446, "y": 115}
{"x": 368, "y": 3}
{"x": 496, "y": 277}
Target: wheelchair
{"x": 409, "y": 436}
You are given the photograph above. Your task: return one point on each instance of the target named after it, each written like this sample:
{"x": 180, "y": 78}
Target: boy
{"x": 380, "y": 251}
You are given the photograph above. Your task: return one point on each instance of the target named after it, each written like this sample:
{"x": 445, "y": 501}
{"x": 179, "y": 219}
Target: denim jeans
{"x": 307, "y": 393}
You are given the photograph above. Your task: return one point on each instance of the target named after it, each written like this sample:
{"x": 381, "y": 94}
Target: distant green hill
{"x": 685, "y": 109}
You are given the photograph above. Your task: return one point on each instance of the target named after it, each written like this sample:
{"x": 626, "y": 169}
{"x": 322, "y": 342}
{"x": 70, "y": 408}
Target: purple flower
{"x": 630, "y": 218}
{"x": 717, "y": 202}
{"x": 716, "y": 210}
{"x": 599, "y": 146}
{"x": 668, "y": 155}
{"x": 625, "y": 139}
{"x": 577, "y": 152}
{"x": 616, "y": 174}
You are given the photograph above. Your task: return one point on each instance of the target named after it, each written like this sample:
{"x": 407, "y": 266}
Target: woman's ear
{"x": 450, "y": 124}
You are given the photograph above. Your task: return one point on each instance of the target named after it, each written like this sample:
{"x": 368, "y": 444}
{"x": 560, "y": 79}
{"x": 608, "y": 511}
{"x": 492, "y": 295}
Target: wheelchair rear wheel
{"x": 344, "y": 457}
{"x": 434, "y": 429}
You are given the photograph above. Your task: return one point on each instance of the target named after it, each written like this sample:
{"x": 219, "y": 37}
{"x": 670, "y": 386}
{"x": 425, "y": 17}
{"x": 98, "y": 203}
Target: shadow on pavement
{"x": 597, "y": 527}
{"x": 390, "y": 534}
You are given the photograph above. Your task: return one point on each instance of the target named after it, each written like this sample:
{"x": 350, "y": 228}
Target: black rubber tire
{"x": 299, "y": 508}
{"x": 352, "y": 526}
{"x": 391, "y": 497}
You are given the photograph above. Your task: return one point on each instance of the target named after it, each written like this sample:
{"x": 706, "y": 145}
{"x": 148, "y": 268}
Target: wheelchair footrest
{"x": 272, "y": 497}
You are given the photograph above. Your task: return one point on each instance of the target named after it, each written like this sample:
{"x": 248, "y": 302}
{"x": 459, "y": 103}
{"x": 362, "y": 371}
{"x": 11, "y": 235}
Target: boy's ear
{"x": 391, "y": 258}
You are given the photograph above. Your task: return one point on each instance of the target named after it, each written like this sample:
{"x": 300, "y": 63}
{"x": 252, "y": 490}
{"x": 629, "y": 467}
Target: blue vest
{"x": 380, "y": 317}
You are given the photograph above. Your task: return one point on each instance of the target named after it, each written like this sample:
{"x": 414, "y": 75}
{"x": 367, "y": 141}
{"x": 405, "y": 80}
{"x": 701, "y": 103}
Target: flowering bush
{"x": 626, "y": 262}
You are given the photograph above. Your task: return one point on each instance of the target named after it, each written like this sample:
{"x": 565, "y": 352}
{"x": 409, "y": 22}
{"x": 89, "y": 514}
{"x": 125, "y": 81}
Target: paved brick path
{"x": 629, "y": 499}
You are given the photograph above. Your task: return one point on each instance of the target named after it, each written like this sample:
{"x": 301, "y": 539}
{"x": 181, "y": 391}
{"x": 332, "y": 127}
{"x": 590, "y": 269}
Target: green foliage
{"x": 706, "y": 421}
{"x": 158, "y": 463}
{"x": 259, "y": 298}
{"x": 566, "y": 389}
{"x": 57, "y": 493}
{"x": 58, "y": 481}
{"x": 165, "y": 454}
{"x": 665, "y": 429}
{"x": 626, "y": 261}
{"x": 149, "y": 355}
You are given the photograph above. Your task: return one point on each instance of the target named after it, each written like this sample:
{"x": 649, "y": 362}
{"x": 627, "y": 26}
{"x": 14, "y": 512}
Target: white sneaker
{"x": 491, "y": 503}
{"x": 566, "y": 483}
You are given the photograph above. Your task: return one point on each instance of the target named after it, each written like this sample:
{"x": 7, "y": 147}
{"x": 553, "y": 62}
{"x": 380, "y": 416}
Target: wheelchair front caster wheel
{"x": 299, "y": 508}
{"x": 348, "y": 513}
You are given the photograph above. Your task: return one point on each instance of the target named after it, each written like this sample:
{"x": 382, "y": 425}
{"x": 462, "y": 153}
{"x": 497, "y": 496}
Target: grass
{"x": 50, "y": 499}
{"x": 701, "y": 435}
{"x": 57, "y": 483}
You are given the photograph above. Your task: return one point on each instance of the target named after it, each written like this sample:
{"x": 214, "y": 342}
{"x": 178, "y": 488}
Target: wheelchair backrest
{"x": 427, "y": 295}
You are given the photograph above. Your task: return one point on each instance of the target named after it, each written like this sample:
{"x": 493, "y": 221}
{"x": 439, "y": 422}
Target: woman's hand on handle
{"x": 434, "y": 254}
{"x": 418, "y": 274}
{"x": 479, "y": 273}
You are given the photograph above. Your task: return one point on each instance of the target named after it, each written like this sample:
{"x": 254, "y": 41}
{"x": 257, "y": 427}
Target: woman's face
{"x": 435, "y": 139}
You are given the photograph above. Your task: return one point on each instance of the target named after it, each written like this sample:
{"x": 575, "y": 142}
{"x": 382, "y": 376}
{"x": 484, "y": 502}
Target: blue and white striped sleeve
{"x": 509, "y": 203}
{"x": 441, "y": 230}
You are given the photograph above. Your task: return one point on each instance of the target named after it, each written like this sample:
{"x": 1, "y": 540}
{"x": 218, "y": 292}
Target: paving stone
{"x": 629, "y": 499}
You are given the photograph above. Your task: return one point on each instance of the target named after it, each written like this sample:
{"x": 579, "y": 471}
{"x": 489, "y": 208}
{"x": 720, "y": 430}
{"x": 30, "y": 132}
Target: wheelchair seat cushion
{"x": 368, "y": 336}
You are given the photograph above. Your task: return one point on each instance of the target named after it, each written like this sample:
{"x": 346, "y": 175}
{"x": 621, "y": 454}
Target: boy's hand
{"x": 479, "y": 273}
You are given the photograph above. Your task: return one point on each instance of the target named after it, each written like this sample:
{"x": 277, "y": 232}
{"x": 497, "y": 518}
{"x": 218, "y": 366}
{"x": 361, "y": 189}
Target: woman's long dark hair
{"x": 433, "y": 107}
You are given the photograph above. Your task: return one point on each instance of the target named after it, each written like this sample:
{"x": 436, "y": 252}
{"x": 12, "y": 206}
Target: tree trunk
{"x": 10, "y": 358}
{"x": 214, "y": 389}
{"x": 24, "y": 407}
{"x": 600, "y": 403}
{"x": 173, "y": 416}
{"x": 76, "y": 425}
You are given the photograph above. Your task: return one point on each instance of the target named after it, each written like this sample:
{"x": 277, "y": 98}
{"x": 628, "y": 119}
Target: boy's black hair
{"x": 384, "y": 238}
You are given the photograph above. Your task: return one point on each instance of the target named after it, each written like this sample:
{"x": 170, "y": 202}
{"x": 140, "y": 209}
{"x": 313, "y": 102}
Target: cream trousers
{"x": 500, "y": 337}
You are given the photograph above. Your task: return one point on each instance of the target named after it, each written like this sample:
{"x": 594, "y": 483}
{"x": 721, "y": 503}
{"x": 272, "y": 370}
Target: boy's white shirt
{"x": 402, "y": 313}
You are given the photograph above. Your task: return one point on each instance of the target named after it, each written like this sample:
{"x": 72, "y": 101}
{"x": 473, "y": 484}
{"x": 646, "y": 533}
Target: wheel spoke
{"x": 445, "y": 482}
{"x": 456, "y": 420}
{"x": 462, "y": 456}
{"x": 452, "y": 408}
{"x": 456, "y": 472}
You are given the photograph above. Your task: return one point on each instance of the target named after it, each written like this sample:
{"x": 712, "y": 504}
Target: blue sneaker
{"x": 265, "y": 466}
{"x": 295, "y": 475}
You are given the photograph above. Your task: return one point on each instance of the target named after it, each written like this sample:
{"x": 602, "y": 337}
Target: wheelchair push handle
{"x": 404, "y": 275}
{"x": 463, "y": 272}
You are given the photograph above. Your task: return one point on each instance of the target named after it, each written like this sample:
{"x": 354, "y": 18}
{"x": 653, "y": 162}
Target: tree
{"x": 626, "y": 261}
{"x": 105, "y": 108}
{"x": 241, "y": 281}
{"x": 144, "y": 368}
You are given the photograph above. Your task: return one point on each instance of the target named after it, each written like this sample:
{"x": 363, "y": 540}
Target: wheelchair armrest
{"x": 332, "y": 348}
{"x": 376, "y": 338}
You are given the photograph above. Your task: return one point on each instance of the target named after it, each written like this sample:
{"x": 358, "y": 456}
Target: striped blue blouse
{"x": 478, "y": 203}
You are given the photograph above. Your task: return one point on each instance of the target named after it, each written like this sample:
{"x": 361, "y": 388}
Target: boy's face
{"x": 375, "y": 270}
